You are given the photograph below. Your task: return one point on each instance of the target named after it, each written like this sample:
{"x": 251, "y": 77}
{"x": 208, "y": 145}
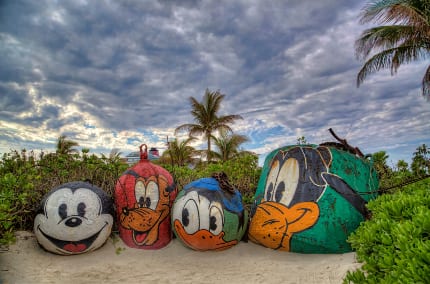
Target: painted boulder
{"x": 310, "y": 198}
{"x": 74, "y": 218}
{"x": 143, "y": 198}
{"x": 208, "y": 214}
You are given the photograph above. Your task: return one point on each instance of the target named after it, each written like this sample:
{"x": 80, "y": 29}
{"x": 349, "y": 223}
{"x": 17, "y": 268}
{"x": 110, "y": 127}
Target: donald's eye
{"x": 185, "y": 217}
{"x": 216, "y": 220}
{"x": 190, "y": 217}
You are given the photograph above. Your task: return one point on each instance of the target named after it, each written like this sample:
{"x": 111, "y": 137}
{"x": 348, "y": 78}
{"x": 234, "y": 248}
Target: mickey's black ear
{"x": 325, "y": 154}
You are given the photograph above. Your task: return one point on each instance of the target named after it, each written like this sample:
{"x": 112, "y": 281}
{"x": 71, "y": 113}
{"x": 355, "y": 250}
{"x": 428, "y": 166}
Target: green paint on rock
{"x": 337, "y": 217}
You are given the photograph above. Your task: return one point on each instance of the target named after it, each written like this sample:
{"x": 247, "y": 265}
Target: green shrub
{"x": 243, "y": 172}
{"x": 394, "y": 246}
{"x": 25, "y": 179}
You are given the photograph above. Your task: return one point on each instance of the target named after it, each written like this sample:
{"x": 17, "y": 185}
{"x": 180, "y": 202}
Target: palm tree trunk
{"x": 209, "y": 147}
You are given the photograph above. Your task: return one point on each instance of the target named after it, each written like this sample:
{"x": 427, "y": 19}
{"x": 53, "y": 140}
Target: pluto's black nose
{"x": 73, "y": 222}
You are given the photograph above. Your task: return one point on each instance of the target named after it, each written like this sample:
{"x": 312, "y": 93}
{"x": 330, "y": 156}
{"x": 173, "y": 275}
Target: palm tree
{"x": 206, "y": 118}
{"x": 65, "y": 146}
{"x": 421, "y": 161}
{"x": 380, "y": 163}
{"x": 228, "y": 145}
{"x": 404, "y": 38}
{"x": 402, "y": 166}
{"x": 114, "y": 156}
{"x": 180, "y": 153}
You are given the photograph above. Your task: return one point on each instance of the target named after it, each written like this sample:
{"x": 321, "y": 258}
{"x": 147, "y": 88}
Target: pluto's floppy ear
{"x": 341, "y": 187}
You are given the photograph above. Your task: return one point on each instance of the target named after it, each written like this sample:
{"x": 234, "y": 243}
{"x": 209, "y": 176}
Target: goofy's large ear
{"x": 341, "y": 187}
{"x": 325, "y": 155}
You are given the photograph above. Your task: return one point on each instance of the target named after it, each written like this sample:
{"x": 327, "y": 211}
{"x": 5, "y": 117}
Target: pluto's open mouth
{"x": 73, "y": 247}
{"x": 139, "y": 237}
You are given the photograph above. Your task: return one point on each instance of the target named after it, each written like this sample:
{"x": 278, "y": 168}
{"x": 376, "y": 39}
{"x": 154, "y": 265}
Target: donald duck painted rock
{"x": 208, "y": 214}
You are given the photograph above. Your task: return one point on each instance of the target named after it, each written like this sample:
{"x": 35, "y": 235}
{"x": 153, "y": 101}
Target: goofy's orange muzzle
{"x": 273, "y": 224}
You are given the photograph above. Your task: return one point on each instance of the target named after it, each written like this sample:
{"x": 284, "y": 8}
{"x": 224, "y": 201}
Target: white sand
{"x": 25, "y": 262}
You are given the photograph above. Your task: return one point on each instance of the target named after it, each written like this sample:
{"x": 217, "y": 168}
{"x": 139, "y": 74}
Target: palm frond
{"x": 383, "y": 37}
{"x": 406, "y": 39}
{"x": 394, "y": 11}
{"x": 426, "y": 84}
{"x": 390, "y": 59}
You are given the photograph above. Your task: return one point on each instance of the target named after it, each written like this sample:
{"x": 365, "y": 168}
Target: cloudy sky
{"x": 115, "y": 74}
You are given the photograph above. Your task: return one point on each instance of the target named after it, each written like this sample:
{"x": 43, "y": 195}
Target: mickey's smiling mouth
{"x": 73, "y": 247}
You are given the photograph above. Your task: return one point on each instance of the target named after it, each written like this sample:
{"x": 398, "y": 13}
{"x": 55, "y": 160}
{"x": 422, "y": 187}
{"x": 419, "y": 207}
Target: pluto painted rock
{"x": 74, "y": 218}
{"x": 208, "y": 214}
{"x": 310, "y": 198}
{"x": 143, "y": 198}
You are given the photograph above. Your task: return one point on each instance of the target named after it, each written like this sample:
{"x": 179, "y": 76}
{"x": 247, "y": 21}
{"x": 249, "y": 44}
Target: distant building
{"x": 134, "y": 157}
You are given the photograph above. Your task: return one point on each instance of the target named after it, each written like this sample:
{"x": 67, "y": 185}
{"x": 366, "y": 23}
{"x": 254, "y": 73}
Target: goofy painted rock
{"x": 310, "y": 198}
{"x": 143, "y": 197}
{"x": 208, "y": 214}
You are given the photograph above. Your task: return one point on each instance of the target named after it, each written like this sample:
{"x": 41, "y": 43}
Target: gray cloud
{"x": 104, "y": 72}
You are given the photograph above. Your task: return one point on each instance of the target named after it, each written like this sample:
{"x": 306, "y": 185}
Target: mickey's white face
{"x": 72, "y": 222}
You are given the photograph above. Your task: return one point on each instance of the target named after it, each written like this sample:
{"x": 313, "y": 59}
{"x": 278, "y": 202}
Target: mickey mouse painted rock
{"x": 74, "y": 218}
{"x": 310, "y": 198}
{"x": 208, "y": 214}
{"x": 143, "y": 198}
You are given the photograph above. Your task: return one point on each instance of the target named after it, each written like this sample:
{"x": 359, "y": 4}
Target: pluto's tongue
{"x": 75, "y": 248}
{"x": 139, "y": 237}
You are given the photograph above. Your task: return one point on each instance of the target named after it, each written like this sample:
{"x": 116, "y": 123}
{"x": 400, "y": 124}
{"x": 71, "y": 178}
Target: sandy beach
{"x": 25, "y": 262}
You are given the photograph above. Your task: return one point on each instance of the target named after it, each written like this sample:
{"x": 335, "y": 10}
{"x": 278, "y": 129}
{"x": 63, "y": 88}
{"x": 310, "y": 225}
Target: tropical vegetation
{"x": 180, "y": 153}
{"x": 402, "y": 37}
{"x": 394, "y": 245}
{"x": 25, "y": 177}
{"x": 207, "y": 119}
{"x": 228, "y": 145}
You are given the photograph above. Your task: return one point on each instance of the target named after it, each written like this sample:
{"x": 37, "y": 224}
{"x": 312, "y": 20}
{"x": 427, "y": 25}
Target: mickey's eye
{"x": 152, "y": 195}
{"x": 62, "y": 211}
{"x": 271, "y": 181}
{"x": 190, "y": 217}
{"x": 216, "y": 219}
{"x": 81, "y": 209}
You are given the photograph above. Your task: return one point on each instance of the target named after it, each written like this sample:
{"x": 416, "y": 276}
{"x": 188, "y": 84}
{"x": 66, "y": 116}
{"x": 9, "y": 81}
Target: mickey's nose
{"x": 73, "y": 222}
